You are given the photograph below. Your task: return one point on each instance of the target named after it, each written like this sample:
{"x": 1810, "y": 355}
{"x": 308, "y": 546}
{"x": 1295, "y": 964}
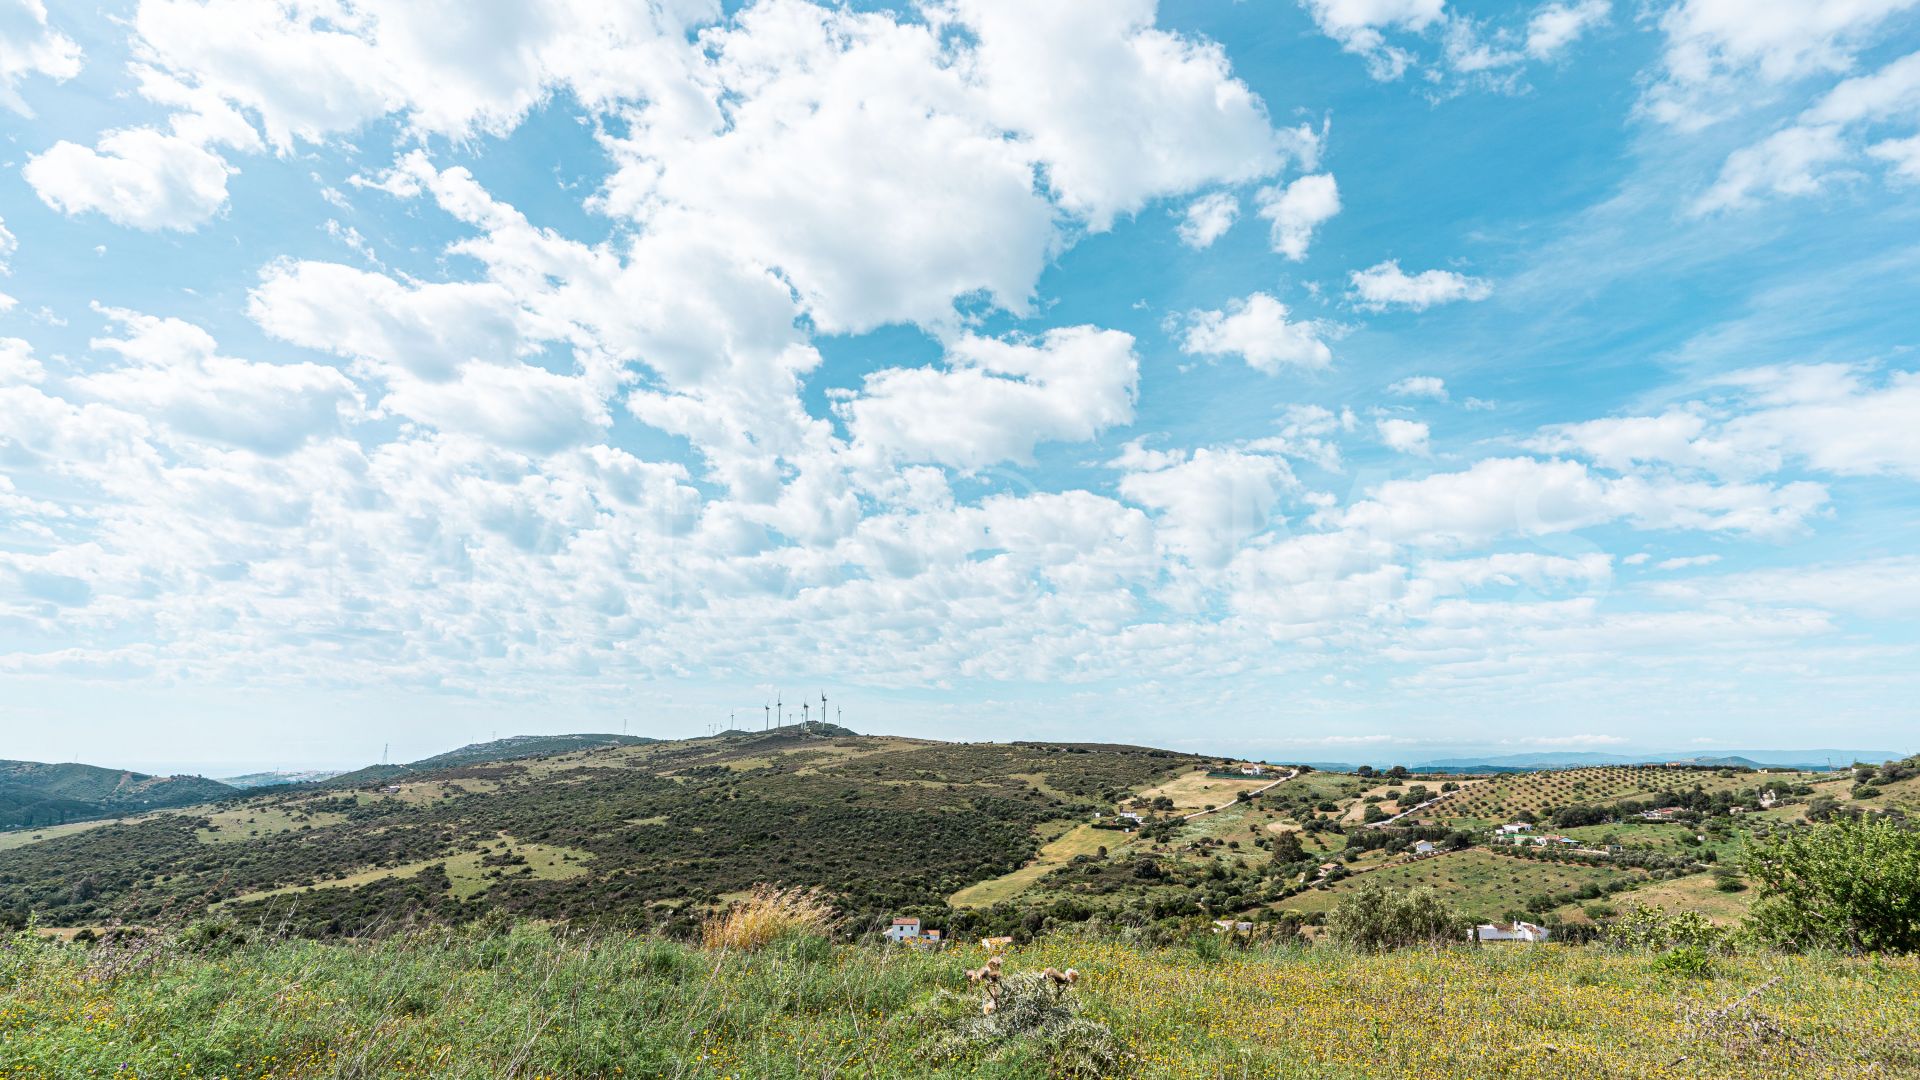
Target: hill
{"x": 34, "y": 793}
{"x": 508, "y": 749}
{"x": 277, "y": 778}
{"x": 981, "y": 838}
{"x": 632, "y": 834}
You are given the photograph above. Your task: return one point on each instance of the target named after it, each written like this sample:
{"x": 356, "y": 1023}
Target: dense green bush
{"x": 1848, "y": 883}
{"x": 1375, "y": 918}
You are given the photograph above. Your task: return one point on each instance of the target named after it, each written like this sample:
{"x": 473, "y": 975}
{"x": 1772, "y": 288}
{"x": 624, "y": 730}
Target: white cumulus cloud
{"x": 1297, "y": 210}
{"x": 1257, "y": 330}
{"x": 1385, "y": 285}
{"x": 140, "y": 177}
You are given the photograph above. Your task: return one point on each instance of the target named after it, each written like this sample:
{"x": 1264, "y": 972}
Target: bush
{"x": 1851, "y": 884}
{"x": 1688, "y": 960}
{"x": 1652, "y": 929}
{"x": 767, "y": 915}
{"x": 1375, "y": 918}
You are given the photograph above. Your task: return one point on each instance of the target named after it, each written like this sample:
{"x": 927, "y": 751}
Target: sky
{"x": 1342, "y": 379}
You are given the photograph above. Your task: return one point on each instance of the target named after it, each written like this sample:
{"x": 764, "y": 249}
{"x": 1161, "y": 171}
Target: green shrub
{"x": 1375, "y": 918}
{"x": 1653, "y": 929}
{"x": 1851, "y": 884}
{"x": 1692, "y": 961}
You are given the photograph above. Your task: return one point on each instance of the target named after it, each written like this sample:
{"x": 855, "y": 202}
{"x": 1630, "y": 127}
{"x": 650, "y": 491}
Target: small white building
{"x": 1514, "y": 931}
{"x": 1128, "y": 817}
{"x": 1769, "y": 799}
{"x": 1426, "y": 847}
{"x": 904, "y": 930}
{"x": 1514, "y": 829}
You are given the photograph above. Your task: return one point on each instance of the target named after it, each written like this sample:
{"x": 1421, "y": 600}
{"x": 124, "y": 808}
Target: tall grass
{"x": 767, "y": 915}
{"x": 544, "y": 1001}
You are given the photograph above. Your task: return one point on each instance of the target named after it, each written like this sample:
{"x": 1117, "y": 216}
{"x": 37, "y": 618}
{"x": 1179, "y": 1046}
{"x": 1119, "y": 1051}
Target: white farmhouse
{"x": 904, "y": 930}
{"x": 1426, "y": 847}
{"x": 1514, "y": 931}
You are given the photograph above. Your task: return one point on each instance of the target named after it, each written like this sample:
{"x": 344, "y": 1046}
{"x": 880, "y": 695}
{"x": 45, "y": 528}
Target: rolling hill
{"x": 34, "y": 793}
{"x": 630, "y": 834}
{"x": 507, "y": 749}
{"x": 980, "y": 837}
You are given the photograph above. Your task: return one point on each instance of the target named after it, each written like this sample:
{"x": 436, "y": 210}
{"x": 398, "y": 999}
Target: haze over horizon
{"x": 1319, "y": 381}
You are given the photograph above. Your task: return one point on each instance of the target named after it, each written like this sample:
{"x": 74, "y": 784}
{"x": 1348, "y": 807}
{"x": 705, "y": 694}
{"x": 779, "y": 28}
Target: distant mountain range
{"x": 1578, "y": 759}
{"x": 272, "y": 779}
{"x": 34, "y": 793}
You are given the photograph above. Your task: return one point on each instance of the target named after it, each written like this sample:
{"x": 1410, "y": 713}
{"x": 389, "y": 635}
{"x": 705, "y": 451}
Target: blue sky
{"x": 1344, "y": 379}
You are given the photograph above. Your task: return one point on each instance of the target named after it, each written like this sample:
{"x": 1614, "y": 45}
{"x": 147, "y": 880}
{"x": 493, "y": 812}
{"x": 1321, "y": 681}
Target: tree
{"x": 1375, "y": 918}
{"x": 1847, "y": 883}
{"x": 1288, "y": 849}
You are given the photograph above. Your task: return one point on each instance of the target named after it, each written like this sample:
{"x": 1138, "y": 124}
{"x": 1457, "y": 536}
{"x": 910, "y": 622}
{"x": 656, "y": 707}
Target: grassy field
{"x": 543, "y": 1003}
{"x": 16, "y": 838}
{"x": 1077, "y": 840}
{"x": 470, "y": 872}
{"x": 1480, "y": 883}
{"x": 1696, "y": 892}
{"x": 1198, "y": 791}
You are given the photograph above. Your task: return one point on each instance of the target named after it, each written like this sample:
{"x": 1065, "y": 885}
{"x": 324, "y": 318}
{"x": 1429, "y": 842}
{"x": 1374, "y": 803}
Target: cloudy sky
{"x": 1348, "y": 378}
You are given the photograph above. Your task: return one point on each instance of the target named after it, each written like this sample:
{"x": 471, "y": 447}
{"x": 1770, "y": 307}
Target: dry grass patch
{"x": 766, "y": 915}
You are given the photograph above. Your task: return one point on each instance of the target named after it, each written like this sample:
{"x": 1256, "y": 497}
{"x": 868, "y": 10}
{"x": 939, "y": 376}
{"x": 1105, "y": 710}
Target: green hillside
{"x": 982, "y": 838}
{"x": 508, "y": 749}
{"x": 35, "y": 793}
{"x": 632, "y": 835}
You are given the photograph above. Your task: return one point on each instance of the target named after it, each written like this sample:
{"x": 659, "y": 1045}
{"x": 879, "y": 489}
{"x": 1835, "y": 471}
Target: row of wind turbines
{"x": 774, "y": 713}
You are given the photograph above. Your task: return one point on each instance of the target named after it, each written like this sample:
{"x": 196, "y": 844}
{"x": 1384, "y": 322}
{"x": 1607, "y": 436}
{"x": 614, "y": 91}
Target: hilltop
{"x": 34, "y": 793}
{"x": 480, "y": 753}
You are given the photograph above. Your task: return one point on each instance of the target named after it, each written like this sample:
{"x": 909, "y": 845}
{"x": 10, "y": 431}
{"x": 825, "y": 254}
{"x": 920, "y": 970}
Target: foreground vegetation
{"x": 536, "y": 1000}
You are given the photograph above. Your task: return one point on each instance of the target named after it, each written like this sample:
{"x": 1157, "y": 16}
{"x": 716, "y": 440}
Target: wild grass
{"x": 544, "y": 1001}
{"x": 766, "y": 915}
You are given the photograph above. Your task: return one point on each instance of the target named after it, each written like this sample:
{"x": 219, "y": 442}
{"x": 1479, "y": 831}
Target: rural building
{"x": 1514, "y": 931}
{"x": 904, "y": 930}
{"x": 1426, "y": 847}
{"x": 1514, "y": 829}
{"x": 1769, "y": 799}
